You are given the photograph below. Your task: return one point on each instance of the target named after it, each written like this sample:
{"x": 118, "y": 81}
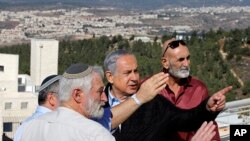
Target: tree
{"x": 132, "y": 37}
{"x": 165, "y": 37}
{"x": 246, "y": 88}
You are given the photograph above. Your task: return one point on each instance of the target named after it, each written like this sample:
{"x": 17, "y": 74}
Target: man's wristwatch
{"x": 137, "y": 101}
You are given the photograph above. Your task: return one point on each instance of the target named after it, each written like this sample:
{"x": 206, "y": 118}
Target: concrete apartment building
{"x": 8, "y": 72}
{"x": 44, "y": 59}
{"x": 18, "y": 96}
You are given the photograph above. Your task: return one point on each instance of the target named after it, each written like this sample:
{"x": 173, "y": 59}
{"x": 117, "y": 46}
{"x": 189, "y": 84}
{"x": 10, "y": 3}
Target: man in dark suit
{"x": 154, "y": 120}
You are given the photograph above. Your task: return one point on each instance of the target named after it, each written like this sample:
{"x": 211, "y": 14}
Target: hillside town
{"x": 80, "y": 23}
{"x": 43, "y": 30}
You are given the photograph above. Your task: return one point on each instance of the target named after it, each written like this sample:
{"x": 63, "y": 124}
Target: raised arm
{"x": 192, "y": 119}
{"x": 148, "y": 90}
{"x": 159, "y": 118}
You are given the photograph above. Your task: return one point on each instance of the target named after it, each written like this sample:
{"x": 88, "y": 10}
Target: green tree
{"x": 246, "y": 88}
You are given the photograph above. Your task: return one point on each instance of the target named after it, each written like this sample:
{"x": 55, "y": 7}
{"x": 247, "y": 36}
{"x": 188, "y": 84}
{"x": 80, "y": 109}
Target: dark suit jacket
{"x": 157, "y": 119}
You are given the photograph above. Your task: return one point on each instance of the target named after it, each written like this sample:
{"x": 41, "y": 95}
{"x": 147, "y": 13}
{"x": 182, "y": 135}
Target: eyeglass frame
{"x": 173, "y": 45}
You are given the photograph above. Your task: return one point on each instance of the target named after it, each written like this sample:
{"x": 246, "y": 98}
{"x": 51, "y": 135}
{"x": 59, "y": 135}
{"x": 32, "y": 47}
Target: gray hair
{"x": 42, "y": 96}
{"x": 110, "y": 60}
{"x": 66, "y": 85}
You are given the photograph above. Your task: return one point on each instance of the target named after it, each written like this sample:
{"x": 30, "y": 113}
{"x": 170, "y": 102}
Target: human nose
{"x": 134, "y": 76}
{"x": 186, "y": 63}
{"x": 104, "y": 97}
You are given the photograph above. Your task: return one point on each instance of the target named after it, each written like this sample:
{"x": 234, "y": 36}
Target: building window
{"x": 19, "y": 81}
{"x": 37, "y": 88}
{"x": 24, "y": 105}
{"x": 1, "y": 68}
{"x": 7, "y": 127}
{"x": 8, "y": 105}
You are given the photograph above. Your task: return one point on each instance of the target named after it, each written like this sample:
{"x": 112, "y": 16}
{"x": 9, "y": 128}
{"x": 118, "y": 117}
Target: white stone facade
{"x": 44, "y": 59}
{"x": 8, "y": 72}
{"x": 15, "y": 108}
{"x": 18, "y": 99}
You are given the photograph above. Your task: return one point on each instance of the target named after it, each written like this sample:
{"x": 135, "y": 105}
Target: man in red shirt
{"x": 182, "y": 89}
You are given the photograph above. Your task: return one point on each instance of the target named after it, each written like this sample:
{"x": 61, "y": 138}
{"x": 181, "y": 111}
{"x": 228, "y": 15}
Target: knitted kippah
{"x": 77, "y": 71}
{"x": 48, "y": 81}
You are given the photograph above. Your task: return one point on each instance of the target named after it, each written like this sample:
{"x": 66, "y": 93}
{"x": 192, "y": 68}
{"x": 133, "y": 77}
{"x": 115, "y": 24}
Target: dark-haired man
{"x": 148, "y": 120}
{"x": 47, "y": 101}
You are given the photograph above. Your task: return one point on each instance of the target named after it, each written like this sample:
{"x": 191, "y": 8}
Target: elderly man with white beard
{"x": 183, "y": 90}
{"x": 81, "y": 98}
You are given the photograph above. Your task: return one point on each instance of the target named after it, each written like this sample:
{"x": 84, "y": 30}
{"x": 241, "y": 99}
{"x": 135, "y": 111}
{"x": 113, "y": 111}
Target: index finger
{"x": 225, "y": 90}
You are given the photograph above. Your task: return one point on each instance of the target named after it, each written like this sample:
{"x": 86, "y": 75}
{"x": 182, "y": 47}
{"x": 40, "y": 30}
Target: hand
{"x": 151, "y": 87}
{"x": 218, "y": 100}
{"x": 205, "y": 132}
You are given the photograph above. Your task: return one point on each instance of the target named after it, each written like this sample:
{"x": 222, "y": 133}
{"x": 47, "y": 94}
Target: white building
{"x": 142, "y": 38}
{"x": 44, "y": 59}
{"x": 15, "y": 108}
{"x": 25, "y": 83}
{"x": 8, "y": 72}
{"x": 18, "y": 98}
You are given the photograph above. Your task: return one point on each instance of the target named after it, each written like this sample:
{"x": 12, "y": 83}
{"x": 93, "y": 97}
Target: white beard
{"x": 183, "y": 72}
{"x": 94, "y": 109}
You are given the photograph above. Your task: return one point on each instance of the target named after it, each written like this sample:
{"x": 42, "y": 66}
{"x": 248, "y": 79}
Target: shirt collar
{"x": 42, "y": 109}
{"x": 113, "y": 101}
{"x": 186, "y": 82}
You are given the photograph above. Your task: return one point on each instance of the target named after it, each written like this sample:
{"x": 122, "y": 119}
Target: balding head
{"x": 176, "y": 58}
{"x": 165, "y": 45}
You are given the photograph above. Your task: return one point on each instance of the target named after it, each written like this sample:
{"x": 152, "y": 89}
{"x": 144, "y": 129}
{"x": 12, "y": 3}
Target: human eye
{"x": 100, "y": 90}
{"x": 181, "y": 59}
{"x": 127, "y": 72}
{"x": 136, "y": 71}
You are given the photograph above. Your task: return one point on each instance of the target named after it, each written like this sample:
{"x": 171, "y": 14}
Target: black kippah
{"x": 77, "y": 71}
{"x": 48, "y": 81}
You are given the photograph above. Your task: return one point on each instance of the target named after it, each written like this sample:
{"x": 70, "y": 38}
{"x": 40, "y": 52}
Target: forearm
{"x": 193, "y": 118}
{"x": 148, "y": 90}
{"x": 122, "y": 112}
{"x": 185, "y": 120}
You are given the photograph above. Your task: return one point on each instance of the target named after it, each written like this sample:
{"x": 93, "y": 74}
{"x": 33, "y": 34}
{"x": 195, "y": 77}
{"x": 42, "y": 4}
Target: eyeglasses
{"x": 173, "y": 45}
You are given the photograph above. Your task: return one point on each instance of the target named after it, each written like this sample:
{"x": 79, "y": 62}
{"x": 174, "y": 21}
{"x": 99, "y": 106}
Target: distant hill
{"x": 131, "y": 4}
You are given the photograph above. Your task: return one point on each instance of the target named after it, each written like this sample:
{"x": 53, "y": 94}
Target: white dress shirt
{"x": 40, "y": 110}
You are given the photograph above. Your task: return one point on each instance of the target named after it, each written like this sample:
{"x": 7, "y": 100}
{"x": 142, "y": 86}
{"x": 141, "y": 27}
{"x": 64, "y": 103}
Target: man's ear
{"x": 51, "y": 99}
{"x": 77, "y": 95}
{"x": 165, "y": 62}
{"x": 109, "y": 76}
